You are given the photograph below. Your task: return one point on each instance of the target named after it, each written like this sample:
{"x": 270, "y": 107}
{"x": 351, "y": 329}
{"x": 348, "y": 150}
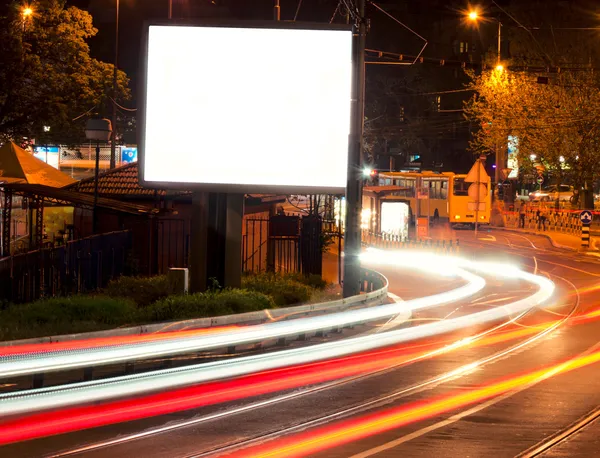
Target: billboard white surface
{"x": 247, "y": 109}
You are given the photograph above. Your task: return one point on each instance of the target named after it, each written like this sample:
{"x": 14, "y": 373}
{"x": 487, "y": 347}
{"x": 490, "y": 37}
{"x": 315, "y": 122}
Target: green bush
{"x": 141, "y": 290}
{"x": 212, "y": 303}
{"x": 284, "y": 290}
{"x": 64, "y": 315}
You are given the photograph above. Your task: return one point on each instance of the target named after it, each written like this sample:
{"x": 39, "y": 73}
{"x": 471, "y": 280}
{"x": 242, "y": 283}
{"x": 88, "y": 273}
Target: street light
{"x": 474, "y": 17}
{"x": 113, "y": 143}
{"x": 26, "y": 13}
{"x": 99, "y": 130}
{"x": 532, "y": 157}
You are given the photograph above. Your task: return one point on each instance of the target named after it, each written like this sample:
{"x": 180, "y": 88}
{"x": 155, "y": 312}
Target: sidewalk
{"x": 557, "y": 239}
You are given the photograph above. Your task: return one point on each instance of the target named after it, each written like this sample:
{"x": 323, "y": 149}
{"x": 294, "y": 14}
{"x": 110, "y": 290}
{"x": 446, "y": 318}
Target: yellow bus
{"x": 462, "y": 209}
{"x": 440, "y": 196}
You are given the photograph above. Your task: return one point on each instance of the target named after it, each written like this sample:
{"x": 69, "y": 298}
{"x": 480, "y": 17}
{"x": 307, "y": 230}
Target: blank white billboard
{"x": 266, "y": 109}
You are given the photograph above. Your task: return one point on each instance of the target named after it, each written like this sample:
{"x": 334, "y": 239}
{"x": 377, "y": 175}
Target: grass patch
{"x": 141, "y": 290}
{"x": 131, "y": 301}
{"x": 64, "y": 315}
{"x": 285, "y": 290}
{"x": 212, "y": 303}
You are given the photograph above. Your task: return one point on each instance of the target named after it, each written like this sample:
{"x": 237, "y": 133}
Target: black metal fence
{"x": 283, "y": 243}
{"x": 79, "y": 266}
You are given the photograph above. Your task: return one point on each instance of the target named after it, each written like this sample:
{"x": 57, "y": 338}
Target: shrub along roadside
{"x": 64, "y": 315}
{"x": 141, "y": 290}
{"x": 69, "y": 315}
{"x": 284, "y": 290}
{"x": 136, "y": 300}
{"x": 212, "y": 303}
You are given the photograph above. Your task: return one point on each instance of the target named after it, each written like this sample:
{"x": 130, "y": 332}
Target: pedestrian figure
{"x": 522, "y": 212}
{"x": 543, "y": 219}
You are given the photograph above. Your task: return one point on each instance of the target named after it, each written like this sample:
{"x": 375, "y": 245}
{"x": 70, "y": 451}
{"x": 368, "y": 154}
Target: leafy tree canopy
{"x": 47, "y": 77}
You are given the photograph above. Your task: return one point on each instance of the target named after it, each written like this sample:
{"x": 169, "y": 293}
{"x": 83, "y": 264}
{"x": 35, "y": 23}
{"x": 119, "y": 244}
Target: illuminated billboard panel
{"x": 513, "y": 152}
{"x": 249, "y": 109}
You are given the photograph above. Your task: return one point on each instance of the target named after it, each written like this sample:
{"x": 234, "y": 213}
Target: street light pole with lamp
{"x": 26, "y": 13}
{"x": 474, "y": 16}
{"x": 99, "y": 130}
{"x": 113, "y": 143}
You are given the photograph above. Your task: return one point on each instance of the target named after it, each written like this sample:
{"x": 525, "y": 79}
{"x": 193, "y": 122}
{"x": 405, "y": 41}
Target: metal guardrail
{"x": 43, "y": 362}
{"x": 393, "y": 242}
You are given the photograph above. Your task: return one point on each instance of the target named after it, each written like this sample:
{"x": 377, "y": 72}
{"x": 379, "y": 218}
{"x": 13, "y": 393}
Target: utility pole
{"x": 113, "y": 141}
{"x": 352, "y": 236}
{"x": 276, "y": 11}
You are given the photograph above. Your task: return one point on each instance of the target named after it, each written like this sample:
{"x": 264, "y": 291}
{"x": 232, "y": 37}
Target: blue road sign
{"x": 586, "y": 217}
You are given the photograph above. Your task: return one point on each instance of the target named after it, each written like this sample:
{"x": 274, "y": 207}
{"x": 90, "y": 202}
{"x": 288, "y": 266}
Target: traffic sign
{"x": 539, "y": 179}
{"x": 477, "y": 192}
{"x": 586, "y": 217}
{"x": 477, "y": 174}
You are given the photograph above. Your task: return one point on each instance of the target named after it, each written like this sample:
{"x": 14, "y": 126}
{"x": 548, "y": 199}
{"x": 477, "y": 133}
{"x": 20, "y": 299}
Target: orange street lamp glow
{"x": 473, "y": 16}
{"x": 27, "y": 12}
{"x": 499, "y": 68}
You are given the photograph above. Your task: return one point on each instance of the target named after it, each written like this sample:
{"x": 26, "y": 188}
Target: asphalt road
{"x": 491, "y": 396}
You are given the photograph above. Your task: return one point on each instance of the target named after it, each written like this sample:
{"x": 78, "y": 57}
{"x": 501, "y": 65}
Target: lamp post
{"x": 113, "y": 143}
{"x": 26, "y": 13}
{"x": 474, "y": 16}
{"x": 99, "y": 130}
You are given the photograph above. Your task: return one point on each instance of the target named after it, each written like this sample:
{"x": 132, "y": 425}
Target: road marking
{"x": 572, "y": 268}
{"x": 489, "y": 238}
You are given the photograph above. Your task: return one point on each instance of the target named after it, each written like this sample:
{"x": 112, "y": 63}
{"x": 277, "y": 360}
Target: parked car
{"x": 550, "y": 193}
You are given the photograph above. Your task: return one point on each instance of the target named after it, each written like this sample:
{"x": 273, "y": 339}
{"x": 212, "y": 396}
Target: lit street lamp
{"x": 26, "y": 13}
{"x": 473, "y": 16}
{"x": 99, "y": 130}
{"x": 113, "y": 143}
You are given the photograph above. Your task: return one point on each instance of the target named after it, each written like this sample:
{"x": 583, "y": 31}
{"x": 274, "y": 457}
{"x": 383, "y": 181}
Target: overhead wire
{"x": 83, "y": 114}
{"x": 297, "y": 10}
{"x": 406, "y": 27}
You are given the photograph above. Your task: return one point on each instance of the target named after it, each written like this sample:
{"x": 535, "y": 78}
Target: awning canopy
{"x": 77, "y": 199}
{"x": 19, "y": 166}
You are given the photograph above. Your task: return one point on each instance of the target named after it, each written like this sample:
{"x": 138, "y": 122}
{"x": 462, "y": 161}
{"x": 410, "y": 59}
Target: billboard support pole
{"x": 233, "y": 241}
{"x": 352, "y": 238}
{"x": 198, "y": 239}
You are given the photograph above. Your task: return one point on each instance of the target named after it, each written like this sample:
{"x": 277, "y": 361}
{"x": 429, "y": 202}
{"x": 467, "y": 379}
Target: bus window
{"x": 444, "y": 190}
{"x": 460, "y": 187}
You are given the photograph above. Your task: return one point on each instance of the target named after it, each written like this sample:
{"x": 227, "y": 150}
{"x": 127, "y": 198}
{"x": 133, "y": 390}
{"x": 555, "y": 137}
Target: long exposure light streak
{"x": 48, "y": 362}
{"x": 132, "y": 385}
{"x": 327, "y": 437}
{"x": 73, "y": 419}
{"x": 10, "y": 350}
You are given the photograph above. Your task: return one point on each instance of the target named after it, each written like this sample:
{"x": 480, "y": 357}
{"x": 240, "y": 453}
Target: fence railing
{"x": 564, "y": 221}
{"x": 80, "y": 266}
{"x": 394, "y": 242}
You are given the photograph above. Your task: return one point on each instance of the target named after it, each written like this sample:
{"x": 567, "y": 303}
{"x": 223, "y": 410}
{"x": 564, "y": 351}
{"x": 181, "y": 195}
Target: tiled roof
{"x": 119, "y": 182}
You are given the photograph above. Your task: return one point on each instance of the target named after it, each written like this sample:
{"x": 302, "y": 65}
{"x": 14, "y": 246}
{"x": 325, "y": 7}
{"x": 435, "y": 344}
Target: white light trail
{"x": 19, "y": 365}
{"x": 94, "y": 391}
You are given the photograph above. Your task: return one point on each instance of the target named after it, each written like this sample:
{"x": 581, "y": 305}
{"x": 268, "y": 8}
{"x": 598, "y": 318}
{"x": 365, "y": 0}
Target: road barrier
{"x": 394, "y": 242}
{"x": 564, "y": 221}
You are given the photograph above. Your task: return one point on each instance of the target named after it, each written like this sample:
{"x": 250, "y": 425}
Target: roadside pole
{"x": 352, "y": 239}
{"x": 478, "y": 199}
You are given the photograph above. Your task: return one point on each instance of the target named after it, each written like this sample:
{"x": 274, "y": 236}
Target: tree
{"x": 47, "y": 77}
{"x": 557, "y": 124}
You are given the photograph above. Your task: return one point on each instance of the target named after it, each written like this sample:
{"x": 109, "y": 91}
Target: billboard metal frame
{"x": 227, "y": 187}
